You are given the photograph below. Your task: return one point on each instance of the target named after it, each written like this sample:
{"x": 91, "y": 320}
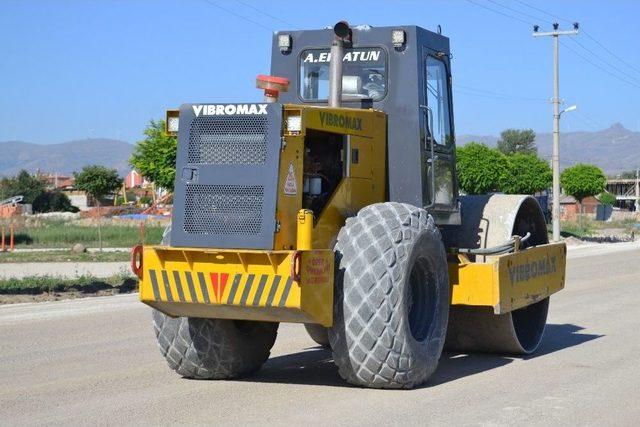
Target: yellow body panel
{"x": 250, "y": 285}
{"x": 364, "y": 184}
{"x": 510, "y": 281}
{"x": 351, "y": 195}
{"x": 287, "y": 206}
{"x": 366, "y": 132}
{"x": 347, "y": 121}
{"x": 294, "y": 282}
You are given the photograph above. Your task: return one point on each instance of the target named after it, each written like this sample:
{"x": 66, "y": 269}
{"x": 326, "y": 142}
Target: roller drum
{"x": 488, "y": 221}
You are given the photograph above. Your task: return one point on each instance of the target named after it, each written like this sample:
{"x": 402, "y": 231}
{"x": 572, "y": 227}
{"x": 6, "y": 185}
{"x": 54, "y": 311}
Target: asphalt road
{"x": 95, "y": 361}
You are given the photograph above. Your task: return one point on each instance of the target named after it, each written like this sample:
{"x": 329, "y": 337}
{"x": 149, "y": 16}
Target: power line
{"x": 610, "y": 52}
{"x": 480, "y": 95}
{"x": 599, "y": 58}
{"x": 275, "y": 18}
{"x": 498, "y": 94}
{"x": 583, "y": 121}
{"x": 584, "y": 116}
{"x": 599, "y": 67}
{"x": 585, "y": 33}
{"x": 499, "y": 12}
{"x": 237, "y": 15}
{"x": 518, "y": 11}
{"x": 544, "y": 11}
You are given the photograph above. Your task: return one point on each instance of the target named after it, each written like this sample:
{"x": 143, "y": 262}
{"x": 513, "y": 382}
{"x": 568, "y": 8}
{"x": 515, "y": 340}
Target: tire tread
{"x": 372, "y": 250}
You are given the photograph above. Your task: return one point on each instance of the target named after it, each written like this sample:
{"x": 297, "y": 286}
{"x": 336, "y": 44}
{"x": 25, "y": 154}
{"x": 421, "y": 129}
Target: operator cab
{"x": 404, "y": 71}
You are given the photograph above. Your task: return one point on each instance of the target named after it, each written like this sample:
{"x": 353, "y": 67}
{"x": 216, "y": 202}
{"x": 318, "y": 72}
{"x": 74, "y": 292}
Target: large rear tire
{"x": 392, "y": 297}
{"x": 212, "y": 348}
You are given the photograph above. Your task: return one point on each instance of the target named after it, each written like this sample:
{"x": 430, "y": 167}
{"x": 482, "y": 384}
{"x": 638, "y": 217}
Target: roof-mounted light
{"x": 284, "y": 43}
{"x": 398, "y": 38}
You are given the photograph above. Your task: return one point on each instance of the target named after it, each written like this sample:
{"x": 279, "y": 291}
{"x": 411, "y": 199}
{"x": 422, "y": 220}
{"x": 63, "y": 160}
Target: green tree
{"x": 607, "y": 198}
{"x": 517, "y": 141}
{"x": 582, "y": 181}
{"x": 23, "y": 184}
{"x": 98, "y": 181}
{"x": 480, "y": 169}
{"x": 155, "y": 156}
{"x": 526, "y": 174}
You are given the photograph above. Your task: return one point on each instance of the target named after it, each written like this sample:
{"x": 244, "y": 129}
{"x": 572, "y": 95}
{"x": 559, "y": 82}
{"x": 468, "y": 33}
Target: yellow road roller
{"x": 334, "y": 203}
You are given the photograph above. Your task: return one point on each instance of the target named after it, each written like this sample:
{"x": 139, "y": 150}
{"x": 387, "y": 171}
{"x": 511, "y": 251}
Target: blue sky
{"x": 77, "y": 69}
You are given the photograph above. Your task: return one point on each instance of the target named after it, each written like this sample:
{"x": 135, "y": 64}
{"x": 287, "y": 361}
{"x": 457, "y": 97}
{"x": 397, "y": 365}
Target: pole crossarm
{"x": 555, "y": 33}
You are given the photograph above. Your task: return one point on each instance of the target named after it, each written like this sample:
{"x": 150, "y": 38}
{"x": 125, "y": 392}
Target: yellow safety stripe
{"x": 265, "y": 290}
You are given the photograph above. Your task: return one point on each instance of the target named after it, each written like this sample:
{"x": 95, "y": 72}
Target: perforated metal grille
{"x": 224, "y": 209}
{"x": 228, "y": 140}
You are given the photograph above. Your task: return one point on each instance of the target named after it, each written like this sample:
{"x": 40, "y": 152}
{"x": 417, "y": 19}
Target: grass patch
{"x": 63, "y": 256}
{"x": 53, "y": 233}
{"x": 570, "y": 228}
{"x": 68, "y": 235}
{"x": 592, "y": 228}
{"x": 84, "y": 284}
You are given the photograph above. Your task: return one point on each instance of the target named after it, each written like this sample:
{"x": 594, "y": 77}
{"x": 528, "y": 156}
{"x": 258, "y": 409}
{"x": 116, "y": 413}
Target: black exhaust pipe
{"x": 342, "y": 33}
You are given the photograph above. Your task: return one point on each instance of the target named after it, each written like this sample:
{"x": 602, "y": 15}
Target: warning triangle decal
{"x": 290, "y": 186}
{"x": 219, "y": 285}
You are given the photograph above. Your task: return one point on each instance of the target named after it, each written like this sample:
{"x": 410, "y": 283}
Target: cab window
{"x": 438, "y": 101}
{"x": 364, "y": 74}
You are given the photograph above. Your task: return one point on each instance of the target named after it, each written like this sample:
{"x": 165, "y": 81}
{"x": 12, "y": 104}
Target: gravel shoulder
{"x": 63, "y": 269}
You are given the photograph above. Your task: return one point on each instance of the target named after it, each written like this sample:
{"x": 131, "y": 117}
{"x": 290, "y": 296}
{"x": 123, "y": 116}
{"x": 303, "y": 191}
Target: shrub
{"x": 526, "y": 174}
{"x": 53, "y": 201}
{"x": 480, "y": 169}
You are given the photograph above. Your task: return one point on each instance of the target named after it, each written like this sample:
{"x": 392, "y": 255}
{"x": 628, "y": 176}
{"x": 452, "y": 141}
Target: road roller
{"x": 334, "y": 203}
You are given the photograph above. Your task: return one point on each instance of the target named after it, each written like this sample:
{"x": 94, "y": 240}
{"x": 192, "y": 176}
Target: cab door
{"x": 439, "y": 186}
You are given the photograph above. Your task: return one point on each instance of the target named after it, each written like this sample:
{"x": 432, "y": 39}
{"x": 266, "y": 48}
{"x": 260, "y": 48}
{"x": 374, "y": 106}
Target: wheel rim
{"x": 422, "y": 300}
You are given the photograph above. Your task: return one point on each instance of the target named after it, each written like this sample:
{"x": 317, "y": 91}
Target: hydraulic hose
{"x": 504, "y": 248}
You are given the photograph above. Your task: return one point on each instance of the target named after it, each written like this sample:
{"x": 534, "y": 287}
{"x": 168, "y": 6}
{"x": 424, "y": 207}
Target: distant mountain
{"x": 64, "y": 158}
{"x": 614, "y": 149}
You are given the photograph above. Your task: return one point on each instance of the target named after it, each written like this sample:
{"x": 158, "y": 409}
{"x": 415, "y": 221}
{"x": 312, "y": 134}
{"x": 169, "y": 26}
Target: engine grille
{"x": 228, "y": 140}
{"x": 223, "y": 209}
{"x": 227, "y": 176}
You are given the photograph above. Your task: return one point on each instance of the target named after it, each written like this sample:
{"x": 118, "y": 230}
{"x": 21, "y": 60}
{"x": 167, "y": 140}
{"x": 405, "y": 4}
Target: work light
{"x": 284, "y": 42}
{"x": 398, "y": 38}
{"x": 172, "y": 122}
{"x": 294, "y": 123}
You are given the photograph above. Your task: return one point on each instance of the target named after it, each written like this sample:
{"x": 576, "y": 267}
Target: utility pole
{"x": 637, "y": 190}
{"x": 555, "y": 156}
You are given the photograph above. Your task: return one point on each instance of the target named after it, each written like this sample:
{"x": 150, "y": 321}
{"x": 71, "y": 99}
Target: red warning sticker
{"x": 290, "y": 186}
